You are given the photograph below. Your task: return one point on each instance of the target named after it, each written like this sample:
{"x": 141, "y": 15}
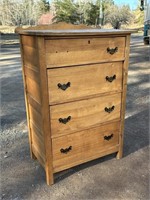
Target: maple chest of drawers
{"x": 75, "y": 88}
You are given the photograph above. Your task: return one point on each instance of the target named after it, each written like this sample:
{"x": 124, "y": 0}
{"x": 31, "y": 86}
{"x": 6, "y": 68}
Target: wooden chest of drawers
{"x": 75, "y": 87}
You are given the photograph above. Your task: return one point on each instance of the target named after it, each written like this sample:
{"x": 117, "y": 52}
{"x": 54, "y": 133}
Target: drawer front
{"x": 72, "y": 117}
{"x": 66, "y": 52}
{"x": 78, "y": 147}
{"x": 66, "y": 84}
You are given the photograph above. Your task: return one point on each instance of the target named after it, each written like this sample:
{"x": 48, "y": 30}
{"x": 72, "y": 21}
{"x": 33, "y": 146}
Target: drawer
{"x": 80, "y": 147}
{"x": 66, "y": 52}
{"x": 72, "y": 117}
{"x": 73, "y": 83}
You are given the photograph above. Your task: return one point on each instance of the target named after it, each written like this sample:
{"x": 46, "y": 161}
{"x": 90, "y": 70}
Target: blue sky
{"x": 132, "y": 3}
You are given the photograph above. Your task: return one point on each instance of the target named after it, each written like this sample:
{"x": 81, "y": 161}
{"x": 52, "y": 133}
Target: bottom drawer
{"x": 76, "y": 148}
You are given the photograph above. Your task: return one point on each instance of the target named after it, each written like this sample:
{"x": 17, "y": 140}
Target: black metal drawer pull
{"x": 110, "y": 78}
{"x": 109, "y": 110}
{"x": 65, "y": 120}
{"x": 108, "y": 137}
{"x": 64, "y": 86}
{"x": 66, "y": 150}
{"x": 112, "y": 50}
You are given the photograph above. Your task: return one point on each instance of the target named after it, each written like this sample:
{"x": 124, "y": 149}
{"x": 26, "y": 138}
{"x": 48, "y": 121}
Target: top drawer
{"x": 66, "y": 52}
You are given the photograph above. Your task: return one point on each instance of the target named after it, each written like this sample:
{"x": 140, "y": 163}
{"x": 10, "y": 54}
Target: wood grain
{"x": 84, "y": 114}
{"x": 35, "y": 117}
{"x": 33, "y": 88}
{"x": 66, "y": 52}
{"x": 102, "y": 153}
{"x": 30, "y": 57}
{"x": 29, "y": 41}
{"x": 26, "y": 99}
{"x": 37, "y": 131}
{"x": 85, "y": 144}
{"x": 123, "y": 104}
{"x": 38, "y": 107}
{"x": 55, "y": 26}
{"x": 38, "y": 141}
{"x": 38, "y": 155}
{"x": 32, "y": 73}
{"x": 45, "y": 111}
{"x": 61, "y": 28}
{"x": 34, "y": 103}
{"x": 78, "y": 55}
{"x": 86, "y": 81}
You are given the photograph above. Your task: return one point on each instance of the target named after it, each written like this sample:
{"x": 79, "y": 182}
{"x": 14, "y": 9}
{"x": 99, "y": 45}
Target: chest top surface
{"x": 64, "y": 29}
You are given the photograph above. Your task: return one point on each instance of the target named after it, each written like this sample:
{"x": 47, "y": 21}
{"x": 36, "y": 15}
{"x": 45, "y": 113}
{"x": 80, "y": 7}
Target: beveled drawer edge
{"x": 91, "y": 127}
{"x": 82, "y": 64}
{"x": 84, "y": 36}
{"x": 86, "y": 98}
{"x": 110, "y": 150}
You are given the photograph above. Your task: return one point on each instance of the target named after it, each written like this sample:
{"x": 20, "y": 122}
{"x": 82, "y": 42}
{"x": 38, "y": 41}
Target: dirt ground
{"x": 102, "y": 179}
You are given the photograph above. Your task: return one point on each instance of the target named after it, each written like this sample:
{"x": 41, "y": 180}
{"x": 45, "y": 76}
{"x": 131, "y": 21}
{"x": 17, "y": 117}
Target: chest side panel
{"x": 32, "y": 83}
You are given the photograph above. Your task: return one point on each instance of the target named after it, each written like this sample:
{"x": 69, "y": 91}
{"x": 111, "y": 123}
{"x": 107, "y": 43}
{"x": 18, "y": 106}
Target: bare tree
{"x": 117, "y": 16}
{"x": 21, "y": 12}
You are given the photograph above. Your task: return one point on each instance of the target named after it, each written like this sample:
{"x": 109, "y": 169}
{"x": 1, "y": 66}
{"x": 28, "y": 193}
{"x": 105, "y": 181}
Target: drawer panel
{"x": 79, "y": 147}
{"x": 84, "y": 81}
{"x": 72, "y": 117}
{"x": 66, "y": 52}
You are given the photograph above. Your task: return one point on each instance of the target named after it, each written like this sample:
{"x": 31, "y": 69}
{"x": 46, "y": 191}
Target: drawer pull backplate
{"x": 110, "y": 78}
{"x": 109, "y": 110}
{"x": 64, "y": 86}
{"x": 108, "y": 137}
{"x": 65, "y": 120}
{"x": 112, "y": 50}
{"x": 66, "y": 150}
